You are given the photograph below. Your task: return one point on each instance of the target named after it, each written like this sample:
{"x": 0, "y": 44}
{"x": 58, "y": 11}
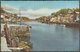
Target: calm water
{"x": 53, "y": 37}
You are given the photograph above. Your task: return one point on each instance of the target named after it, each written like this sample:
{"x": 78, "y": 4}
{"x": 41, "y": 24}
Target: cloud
{"x": 9, "y": 8}
{"x": 31, "y": 13}
{"x": 39, "y": 12}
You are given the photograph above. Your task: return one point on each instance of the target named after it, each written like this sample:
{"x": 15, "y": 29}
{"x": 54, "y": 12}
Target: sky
{"x": 34, "y": 9}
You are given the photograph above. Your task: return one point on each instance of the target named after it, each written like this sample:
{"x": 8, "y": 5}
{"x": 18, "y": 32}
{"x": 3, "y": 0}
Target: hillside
{"x": 62, "y": 16}
{"x": 11, "y": 17}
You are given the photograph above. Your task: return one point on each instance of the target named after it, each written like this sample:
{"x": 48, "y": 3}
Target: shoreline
{"x": 75, "y": 25}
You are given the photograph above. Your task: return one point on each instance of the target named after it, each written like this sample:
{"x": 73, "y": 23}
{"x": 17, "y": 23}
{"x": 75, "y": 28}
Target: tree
{"x": 54, "y": 14}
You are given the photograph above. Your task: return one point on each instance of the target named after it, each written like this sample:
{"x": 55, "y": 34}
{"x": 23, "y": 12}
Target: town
{"x": 69, "y": 17}
{"x": 40, "y": 26}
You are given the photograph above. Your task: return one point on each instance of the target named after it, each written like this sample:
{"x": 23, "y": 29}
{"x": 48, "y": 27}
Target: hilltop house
{"x": 77, "y": 17}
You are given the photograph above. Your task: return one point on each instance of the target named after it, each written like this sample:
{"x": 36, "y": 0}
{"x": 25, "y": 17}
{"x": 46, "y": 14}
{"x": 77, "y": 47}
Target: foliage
{"x": 76, "y": 9}
{"x": 54, "y": 14}
{"x": 62, "y": 12}
{"x": 20, "y": 30}
{"x": 23, "y": 44}
{"x": 25, "y": 18}
{"x": 69, "y": 15}
{"x": 65, "y": 11}
{"x": 1, "y": 10}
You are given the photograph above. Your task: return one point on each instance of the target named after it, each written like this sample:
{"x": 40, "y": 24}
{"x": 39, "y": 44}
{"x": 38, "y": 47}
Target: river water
{"x": 53, "y": 37}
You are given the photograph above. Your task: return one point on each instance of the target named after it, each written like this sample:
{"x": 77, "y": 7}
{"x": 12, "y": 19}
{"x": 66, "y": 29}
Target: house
{"x": 78, "y": 16}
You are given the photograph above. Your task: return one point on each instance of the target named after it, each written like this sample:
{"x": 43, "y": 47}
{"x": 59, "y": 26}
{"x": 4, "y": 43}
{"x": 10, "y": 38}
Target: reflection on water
{"x": 54, "y": 37}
